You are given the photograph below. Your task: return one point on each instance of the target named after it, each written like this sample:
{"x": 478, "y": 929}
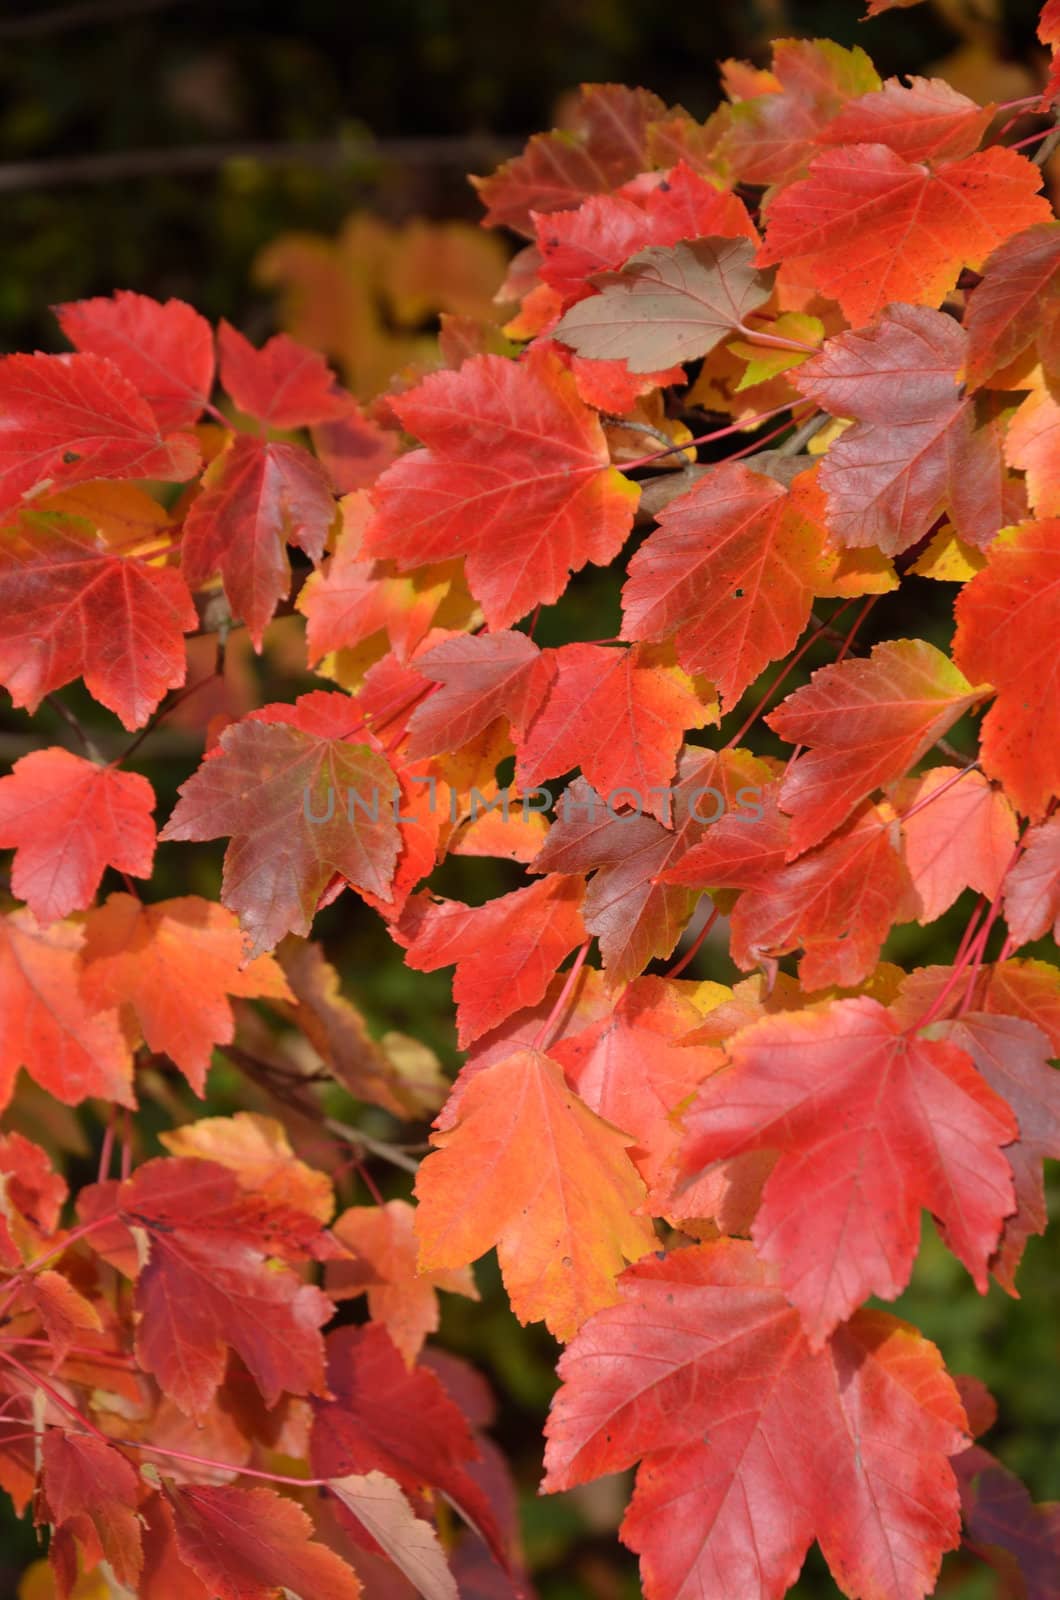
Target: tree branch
{"x": 337, "y": 155}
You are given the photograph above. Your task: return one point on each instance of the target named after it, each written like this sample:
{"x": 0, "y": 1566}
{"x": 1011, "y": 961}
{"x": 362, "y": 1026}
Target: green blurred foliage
{"x": 133, "y": 77}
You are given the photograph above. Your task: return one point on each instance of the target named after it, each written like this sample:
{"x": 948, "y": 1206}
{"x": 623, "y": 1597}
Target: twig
{"x": 184, "y": 160}
{"x": 375, "y": 1147}
{"x": 802, "y": 436}
{"x": 84, "y": 14}
{"x": 1046, "y": 148}
{"x": 88, "y": 745}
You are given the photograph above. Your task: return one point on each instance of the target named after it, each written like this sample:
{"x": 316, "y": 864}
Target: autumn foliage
{"x": 771, "y": 369}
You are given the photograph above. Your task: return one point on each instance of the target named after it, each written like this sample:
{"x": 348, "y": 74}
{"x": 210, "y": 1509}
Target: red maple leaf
{"x": 866, "y": 722}
{"x": 524, "y": 516}
{"x": 923, "y": 119}
{"x": 165, "y": 350}
{"x": 960, "y": 834}
{"x": 46, "y": 1026}
{"x": 857, "y": 1110}
{"x": 245, "y": 1544}
{"x": 90, "y": 1493}
{"x": 282, "y": 384}
{"x": 1008, "y": 620}
{"x": 207, "y": 1287}
{"x": 605, "y": 230}
{"x": 620, "y": 715}
{"x": 772, "y": 132}
{"x": 505, "y": 951}
{"x": 1013, "y": 1056}
{"x": 67, "y": 820}
{"x": 382, "y": 1416}
{"x": 914, "y": 450}
{"x": 731, "y": 571}
{"x": 606, "y": 146}
{"x": 71, "y": 607}
{"x": 71, "y": 418}
{"x": 257, "y": 498}
{"x": 751, "y": 1443}
{"x": 172, "y": 965}
{"x": 302, "y": 801}
{"x": 481, "y": 677}
{"x": 527, "y": 1167}
{"x": 1017, "y": 301}
{"x": 874, "y": 228}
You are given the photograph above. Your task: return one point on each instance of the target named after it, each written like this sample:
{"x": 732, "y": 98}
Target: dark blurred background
{"x": 165, "y": 145}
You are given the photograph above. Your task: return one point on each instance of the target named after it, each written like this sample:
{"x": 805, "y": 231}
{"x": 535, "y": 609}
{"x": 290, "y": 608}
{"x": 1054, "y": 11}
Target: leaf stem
{"x": 551, "y": 1024}
{"x": 775, "y": 341}
{"x": 708, "y": 438}
{"x": 786, "y": 672}
{"x": 696, "y": 945}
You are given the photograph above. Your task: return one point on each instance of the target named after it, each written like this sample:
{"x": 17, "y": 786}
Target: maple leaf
{"x": 632, "y": 910}
{"x": 257, "y": 498}
{"x": 1027, "y": 989}
{"x": 771, "y": 135}
{"x": 874, "y": 228}
{"x": 65, "y": 1314}
{"x": 1031, "y": 447}
{"x": 751, "y": 1444}
{"x": 383, "y": 1417}
{"x": 301, "y": 802}
{"x": 164, "y": 349}
{"x": 31, "y": 1199}
{"x": 866, "y": 721}
{"x": 1008, "y": 617}
{"x": 1032, "y": 888}
{"x": 369, "y": 1069}
{"x": 282, "y": 384}
{"x": 836, "y": 903}
{"x": 606, "y": 146}
{"x": 731, "y": 571}
{"x": 1004, "y": 1527}
{"x": 245, "y": 1544}
{"x": 914, "y": 449}
{"x": 90, "y": 1493}
{"x": 741, "y": 850}
{"x": 961, "y": 838}
{"x": 353, "y": 449}
{"x": 605, "y": 230}
{"x": 481, "y": 677}
{"x": 173, "y": 965}
{"x": 587, "y": 1001}
{"x": 70, "y": 418}
{"x": 857, "y": 1109}
{"x": 632, "y": 1068}
{"x": 207, "y": 1287}
{"x": 383, "y": 1242}
{"x": 618, "y": 714}
{"x": 350, "y": 600}
{"x": 529, "y": 1168}
{"x": 46, "y": 1026}
{"x": 1013, "y": 1056}
{"x": 258, "y": 1151}
{"x": 923, "y": 119}
{"x": 667, "y": 305}
{"x": 67, "y": 820}
{"x": 411, "y": 1544}
{"x": 505, "y": 951}
{"x": 524, "y": 514}
{"x": 71, "y": 607}
{"x": 1011, "y": 305}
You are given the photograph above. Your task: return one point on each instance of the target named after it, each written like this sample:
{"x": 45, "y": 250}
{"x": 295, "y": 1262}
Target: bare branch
{"x": 337, "y": 155}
